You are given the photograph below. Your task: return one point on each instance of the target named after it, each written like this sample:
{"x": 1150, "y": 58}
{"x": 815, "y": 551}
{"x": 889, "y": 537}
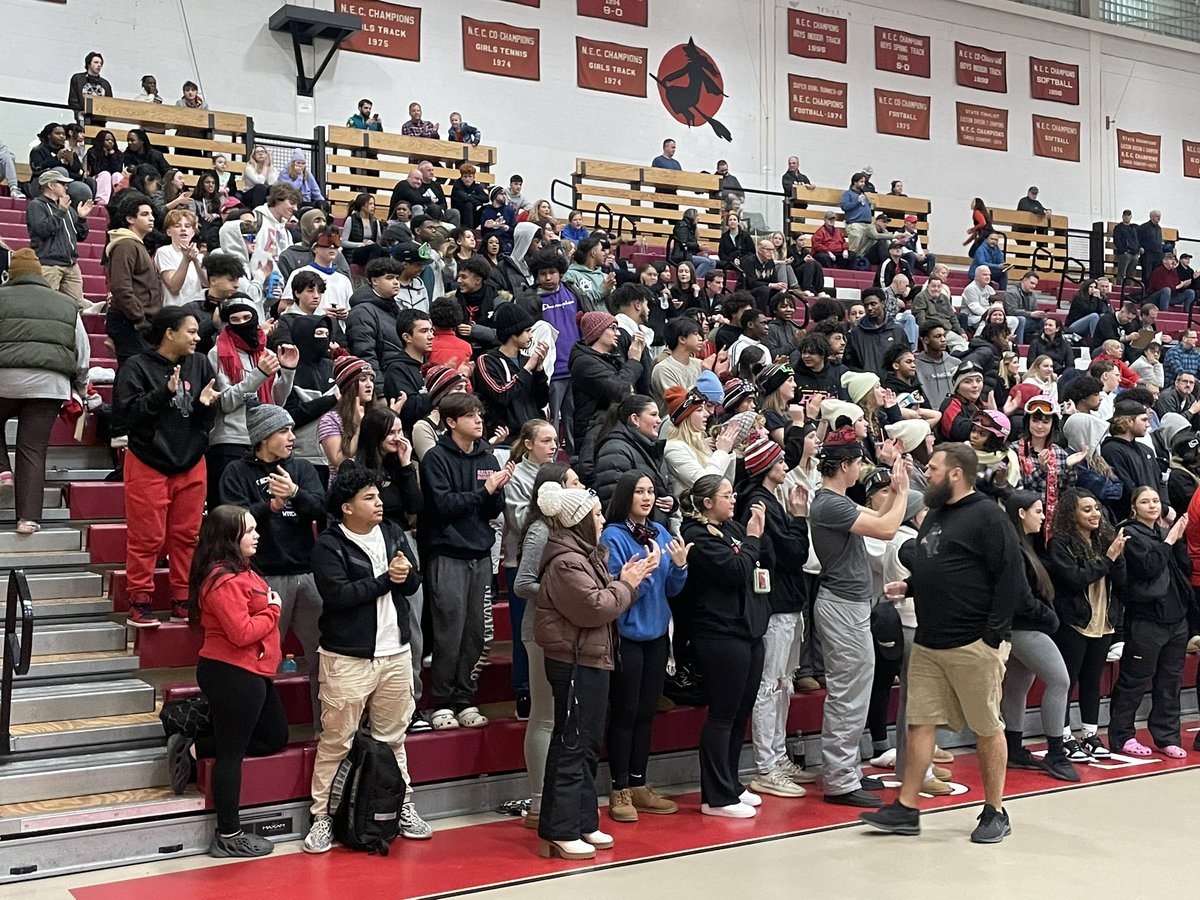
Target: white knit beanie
{"x": 566, "y": 506}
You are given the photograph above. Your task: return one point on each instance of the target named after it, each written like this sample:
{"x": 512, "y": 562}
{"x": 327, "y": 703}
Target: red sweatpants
{"x": 164, "y": 513}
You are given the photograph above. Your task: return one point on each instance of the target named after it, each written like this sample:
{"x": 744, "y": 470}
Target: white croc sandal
{"x": 443, "y": 719}
{"x": 471, "y": 717}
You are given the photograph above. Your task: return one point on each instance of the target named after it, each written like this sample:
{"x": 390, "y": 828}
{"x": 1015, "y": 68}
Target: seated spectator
{"x": 760, "y": 273}
{"x": 574, "y": 229}
{"x": 977, "y": 296}
{"x": 735, "y": 244}
{"x": 339, "y": 289}
{"x": 989, "y": 254}
{"x": 933, "y": 305}
{"x": 810, "y": 277}
{"x": 1148, "y": 367}
{"x": 52, "y": 152}
{"x": 418, "y": 127}
{"x": 1167, "y": 289}
{"x": 307, "y": 289}
{"x": 44, "y": 355}
{"x": 586, "y": 275}
{"x": 56, "y": 223}
{"x": 467, "y": 196}
{"x": 462, "y": 133}
{"x": 498, "y": 220}
{"x": 1183, "y": 355}
{"x": 1119, "y": 325}
{"x": 361, "y": 232}
{"x": 1180, "y": 398}
{"x": 88, "y": 83}
{"x": 140, "y": 151}
{"x": 226, "y": 180}
{"x": 878, "y": 236}
{"x": 914, "y": 252}
{"x": 830, "y": 246}
{"x": 274, "y": 236}
{"x": 894, "y": 265}
{"x": 432, "y": 197}
{"x": 1087, "y": 306}
{"x": 812, "y": 367}
{"x": 206, "y": 201}
{"x": 257, "y": 177}
{"x": 782, "y": 331}
{"x": 896, "y": 298}
{"x": 873, "y": 336}
{"x": 1111, "y": 351}
{"x": 179, "y": 262}
{"x": 1040, "y": 373}
{"x": 149, "y": 92}
{"x": 299, "y": 177}
{"x": 104, "y": 164}
{"x": 365, "y": 657}
{"x": 685, "y": 244}
{"x": 753, "y": 325}
{"x": 517, "y": 202}
{"x": 1020, "y": 301}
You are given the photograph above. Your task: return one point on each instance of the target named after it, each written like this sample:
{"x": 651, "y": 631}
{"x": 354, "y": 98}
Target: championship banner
{"x": 899, "y": 51}
{"x": 817, "y": 101}
{"x": 816, "y": 37}
{"x": 981, "y": 68}
{"x": 627, "y": 12}
{"x": 982, "y": 126}
{"x": 1138, "y": 151}
{"x": 1056, "y": 138}
{"x": 610, "y": 68}
{"x": 904, "y": 114}
{"x": 1052, "y": 80}
{"x": 498, "y": 49}
{"x": 388, "y": 29}
{"x": 1191, "y": 159}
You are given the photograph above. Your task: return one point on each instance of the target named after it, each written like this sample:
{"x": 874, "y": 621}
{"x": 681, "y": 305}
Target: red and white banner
{"x": 904, "y": 114}
{"x": 1056, "y": 138}
{"x": 1191, "y": 159}
{"x": 388, "y": 29}
{"x": 981, "y": 68}
{"x": 627, "y": 12}
{"x": 498, "y": 49}
{"x": 817, "y": 101}
{"x": 899, "y": 51}
{"x": 1139, "y": 151}
{"x": 982, "y": 126}
{"x": 610, "y": 68}
{"x": 816, "y": 37}
{"x": 1053, "y": 80}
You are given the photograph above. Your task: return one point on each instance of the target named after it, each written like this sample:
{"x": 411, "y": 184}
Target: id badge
{"x": 762, "y": 581}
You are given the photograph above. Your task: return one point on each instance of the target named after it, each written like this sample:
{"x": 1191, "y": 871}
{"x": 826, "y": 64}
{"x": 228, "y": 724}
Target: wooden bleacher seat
{"x": 821, "y": 200}
{"x": 1024, "y": 247}
{"x": 1170, "y": 235}
{"x": 226, "y": 131}
{"x": 346, "y": 175}
{"x": 649, "y": 200}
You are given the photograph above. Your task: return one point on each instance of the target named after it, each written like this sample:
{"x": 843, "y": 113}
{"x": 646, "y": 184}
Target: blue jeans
{"x": 908, "y": 322}
{"x": 1166, "y": 298}
{"x": 703, "y": 265}
{"x": 1084, "y": 324}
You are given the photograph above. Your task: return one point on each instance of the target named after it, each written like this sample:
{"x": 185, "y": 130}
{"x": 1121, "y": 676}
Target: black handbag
{"x": 190, "y": 717}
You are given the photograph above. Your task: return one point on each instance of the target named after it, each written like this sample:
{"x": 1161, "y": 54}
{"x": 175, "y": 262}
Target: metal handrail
{"x": 570, "y": 187}
{"x": 603, "y": 207}
{"x": 18, "y": 649}
{"x": 25, "y": 101}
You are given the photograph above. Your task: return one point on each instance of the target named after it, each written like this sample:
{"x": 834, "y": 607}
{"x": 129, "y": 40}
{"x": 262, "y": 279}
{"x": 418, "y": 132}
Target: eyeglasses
{"x": 614, "y": 327}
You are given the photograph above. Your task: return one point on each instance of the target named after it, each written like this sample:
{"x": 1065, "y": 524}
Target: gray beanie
{"x": 264, "y": 420}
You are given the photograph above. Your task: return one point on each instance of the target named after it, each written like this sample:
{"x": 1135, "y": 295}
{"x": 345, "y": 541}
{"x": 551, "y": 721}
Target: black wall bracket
{"x": 307, "y": 25}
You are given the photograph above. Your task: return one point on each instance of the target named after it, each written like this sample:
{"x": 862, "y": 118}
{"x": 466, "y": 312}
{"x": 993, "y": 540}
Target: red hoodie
{"x": 240, "y": 627}
{"x": 1129, "y": 378}
{"x": 448, "y": 349}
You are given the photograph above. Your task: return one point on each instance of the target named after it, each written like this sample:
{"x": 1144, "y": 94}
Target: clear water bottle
{"x": 289, "y": 663}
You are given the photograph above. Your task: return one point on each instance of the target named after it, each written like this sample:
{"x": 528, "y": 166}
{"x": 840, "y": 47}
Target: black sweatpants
{"x": 1154, "y": 655}
{"x": 569, "y": 808}
{"x": 886, "y": 671}
{"x": 248, "y": 720}
{"x": 636, "y": 685}
{"x": 1085, "y": 659}
{"x": 731, "y": 668}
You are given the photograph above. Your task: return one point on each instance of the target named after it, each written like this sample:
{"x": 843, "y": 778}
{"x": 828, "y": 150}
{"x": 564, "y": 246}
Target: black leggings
{"x": 248, "y": 720}
{"x": 731, "y": 668}
{"x": 1085, "y": 659}
{"x": 886, "y": 671}
{"x": 633, "y": 692}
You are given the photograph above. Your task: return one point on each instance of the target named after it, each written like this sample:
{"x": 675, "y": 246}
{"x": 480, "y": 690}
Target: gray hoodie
{"x": 936, "y": 376}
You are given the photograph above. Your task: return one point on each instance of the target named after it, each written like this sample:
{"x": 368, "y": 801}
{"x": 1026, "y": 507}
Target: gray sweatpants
{"x": 416, "y": 641}
{"x": 1035, "y": 655}
{"x": 455, "y": 598}
{"x": 301, "y": 611}
{"x": 845, "y": 627}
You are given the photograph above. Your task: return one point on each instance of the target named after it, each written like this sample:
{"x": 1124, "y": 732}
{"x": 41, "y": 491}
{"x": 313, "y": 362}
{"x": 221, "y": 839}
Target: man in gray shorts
{"x": 842, "y": 610}
{"x": 967, "y": 573}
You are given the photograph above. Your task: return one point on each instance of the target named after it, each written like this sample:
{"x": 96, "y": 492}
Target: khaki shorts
{"x": 958, "y": 687}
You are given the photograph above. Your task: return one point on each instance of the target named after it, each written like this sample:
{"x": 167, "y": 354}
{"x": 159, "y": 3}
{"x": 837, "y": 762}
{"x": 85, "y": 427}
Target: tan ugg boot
{"x": 647, "y": 800}
{"x": 620, "y": 806}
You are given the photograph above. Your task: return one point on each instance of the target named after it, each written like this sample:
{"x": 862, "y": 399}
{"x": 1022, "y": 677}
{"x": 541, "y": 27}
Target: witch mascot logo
{"x": 691, "y": 88}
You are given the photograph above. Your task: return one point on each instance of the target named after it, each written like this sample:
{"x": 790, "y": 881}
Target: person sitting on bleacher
{"x": 735, "y": 244}
{"x": 103, "y": 163}
{"x": 497, "y": 219}
{"x": 273, "y": 216}
{"x": 258, "y": 176}
{"x": 52, "y": 152}
{"x": 759, "y": 275}
{"x": 685, "y": 244}
{"x": 914, "y": 251}
{"x": 586, "y": 276}
{"x": 1184, "y": 356}
{"x": 812, "y": 367}
{"x": 139, "y": 151}
{"x": 56, "y": 223}
{"x": 433, "y": 197}
{"x": 365, "y": 571}
{"x": 1020, "y": 301}
{"x": 895, "y": 264}
{"x": 467, "y": 195}
{"x": 989, "y": 254}
{"x": 1112, "y": 351}
{"x": 299, "y": 254}
{"x": 1167, "y": 289}
{"x": 415, "y": 126}
{"x": 1087, "y": 306}
{"x": 1051, "y": 343}
{"x": 830, "y": 247}
{"x": 879, "y": 237}
{"x": 897, "y": 296}
{"x": 1149, "y": 368}
{"x": 299, "y": 177}
{"x": 873, "y": 336}
{"x": 933, "y": 304}
{"x": 977, "y": 296}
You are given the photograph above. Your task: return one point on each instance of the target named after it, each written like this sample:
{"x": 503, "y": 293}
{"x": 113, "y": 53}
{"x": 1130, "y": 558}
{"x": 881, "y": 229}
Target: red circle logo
{"x": 691, "y": 87}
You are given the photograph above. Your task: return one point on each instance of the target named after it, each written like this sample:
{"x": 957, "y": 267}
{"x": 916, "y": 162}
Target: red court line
{"x": 478, "y": 857}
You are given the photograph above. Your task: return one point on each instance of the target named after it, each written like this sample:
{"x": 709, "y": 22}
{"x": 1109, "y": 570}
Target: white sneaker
{"x": 885, "y": 760}
{"x": 733, "y": 811}
{"x": 1115, "y": 651}
{"x": 320, "y": 836}
{"x": 750, "y": 799}
{"x": 797, "y": 774}
{"x": 777, "y": 783}
{"x": 412, "y": 826}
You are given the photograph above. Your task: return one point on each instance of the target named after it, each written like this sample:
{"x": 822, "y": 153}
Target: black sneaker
{"x": 895, "y": 819}
{"x": 1093, "y": 745}
{"x": 993, "y": 826}
{"x": 1076, "y": 753}
{"x": 180, "y": 765}
{"x": 419, "y": 724}
{"x": 869, "y": 783}
{"x": 1023, "y": 759}
{"x": 523, "y": 704}
{"x": 1058, "y": 766}
{"x": 241, "y": 845}
{"x": 859, "y": 798}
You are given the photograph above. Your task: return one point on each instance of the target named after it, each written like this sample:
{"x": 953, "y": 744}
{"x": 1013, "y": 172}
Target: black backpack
{"x": 366, "y": 796}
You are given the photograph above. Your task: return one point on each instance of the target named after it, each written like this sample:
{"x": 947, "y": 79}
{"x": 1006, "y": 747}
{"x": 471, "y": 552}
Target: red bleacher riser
{"x": 99, "y": 346}
{"x": 285, "y": 776}
{"x": 96, "y": 499}
{"x": 118, "y": 590}
{"x": 93, "y": 323}
{"x": 106, "y": 544}
{"x": 293, "y": 690}
{"x": 63, "y": 434}
{"x": 170, "y": 645}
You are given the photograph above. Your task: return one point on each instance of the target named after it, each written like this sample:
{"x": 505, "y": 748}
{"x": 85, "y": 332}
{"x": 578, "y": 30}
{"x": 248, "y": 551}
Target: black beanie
{"x": 509, "y": 319}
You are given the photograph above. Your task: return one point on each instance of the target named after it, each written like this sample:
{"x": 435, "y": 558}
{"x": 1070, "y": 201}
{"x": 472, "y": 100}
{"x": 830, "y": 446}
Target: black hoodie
{"x": 458, "y": 511}
{"x": 287, "y": 536}
{"x": 168, "y": 432}
{"x": 784, "y": 548}
{"x": 598, "y": 380}
{"x": 1134, "y": 465}
{"x": 371, "y": 333}
{"x": 719, "y": 589}
{"x": 311, "y": 396}
{"x": 827, "y": 381}
{"x": 1156, "y": 586}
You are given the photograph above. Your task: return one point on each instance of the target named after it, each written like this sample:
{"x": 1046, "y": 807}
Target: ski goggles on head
{"x": 1044, "y": 405}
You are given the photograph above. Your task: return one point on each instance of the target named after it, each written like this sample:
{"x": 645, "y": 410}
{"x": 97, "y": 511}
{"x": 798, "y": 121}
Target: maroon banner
{"x": 816, "y": 37}
{"x": 498, "y": 49}
{"x": 981, "y": 68}
{"x": 1056, "y": 138}
{"x": 610, "y": 68}
{"x": 628, "y": 12}
{"x": 982, "y": 126}
{"x": 899, "y": 51}
{"x": 1052, "y": 80}
{"x": 527, "y": 2}
{"x": 816, "y": 100}
{"x": 388, "y": 29}
{"x": 1191, "y": 159}
{"x": 1139, "y": 151}
{"x": 904, "y": 114}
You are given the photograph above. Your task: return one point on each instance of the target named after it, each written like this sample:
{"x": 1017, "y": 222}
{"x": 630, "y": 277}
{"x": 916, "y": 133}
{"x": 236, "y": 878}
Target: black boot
{"x": 1018, "y": 756}
{"x": 1056, "y": 763}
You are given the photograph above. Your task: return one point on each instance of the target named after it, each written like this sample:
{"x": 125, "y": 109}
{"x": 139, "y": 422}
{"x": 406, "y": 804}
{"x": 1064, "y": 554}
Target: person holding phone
{"x": 239, "y": 613}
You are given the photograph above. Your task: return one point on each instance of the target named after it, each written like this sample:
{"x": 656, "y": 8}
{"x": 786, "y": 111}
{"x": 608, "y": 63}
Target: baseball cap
{"x": 56, "y": 175}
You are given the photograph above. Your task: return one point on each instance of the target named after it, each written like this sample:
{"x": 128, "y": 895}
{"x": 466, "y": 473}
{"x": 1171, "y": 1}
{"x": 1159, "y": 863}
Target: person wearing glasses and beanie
{"x": 577, "y": 603}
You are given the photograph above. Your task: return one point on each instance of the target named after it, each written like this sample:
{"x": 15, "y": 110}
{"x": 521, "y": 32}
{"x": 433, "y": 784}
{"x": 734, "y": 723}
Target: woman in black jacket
{"x": 383, "y": 447}
{"x": 1157, "y": 593}
{"x": 1051, "y": 343}
{"x": 140, "y": 151}
{"x": 729, "y": 613}
{"x": 105, "y": 163}
{"x": 166, "y": 397}
{"x": 1084, "y": 558}
{"x": 1034, "y": 654}
{"x": 784, "y": 553}
{"x": 631, "y": 442}
{"x": 734, "y": 243}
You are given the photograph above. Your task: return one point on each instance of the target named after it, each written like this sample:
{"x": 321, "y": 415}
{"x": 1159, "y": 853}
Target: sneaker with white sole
{"x": 412, "y": 826}
{"x": 1115, "y": 651}
{"x": 320, "y": 835}
{"x": 1076, "y": 753}
{"x": 750, "y": 799}
{"x": 1093, "y": 745}
{"x": 777, "y": 783}
{"x": 796, "y": 773}
{"x": 733, "y": 811}
{"x": 885, "y": 760}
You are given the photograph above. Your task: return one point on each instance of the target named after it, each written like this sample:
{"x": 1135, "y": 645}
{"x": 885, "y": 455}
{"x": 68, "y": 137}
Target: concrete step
{"x": 53, "y": 702}
{"x": 59, "y": 585}
{"x": 44, "y": 560}
{"x": 27, "y": 780}
{"x": 50, "y": 514}
{"x": 95, "y": 733}
{"x": 80, "y": 667}
{"x": 79, "y": 637}
{"x": 48, "y": 539}
{"x": 52, "y": 497}
{"x": 71, "y": 608}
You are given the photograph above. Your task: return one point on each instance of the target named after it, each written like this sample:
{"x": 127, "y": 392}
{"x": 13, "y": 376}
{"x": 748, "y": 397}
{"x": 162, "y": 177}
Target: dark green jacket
{"x": 37, "y": 327}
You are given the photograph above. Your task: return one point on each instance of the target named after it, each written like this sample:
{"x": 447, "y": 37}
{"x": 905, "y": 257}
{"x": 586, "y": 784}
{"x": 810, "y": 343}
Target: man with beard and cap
{"x": 842, "y": 611}
{"x": 967, "y": 575}
{"x": 287, "y": 500}
{"x": 497, "y": 218}
{"x": 299, "y": 254}
{"x": 247, "y": 374}
{"x": 313, "y": 392}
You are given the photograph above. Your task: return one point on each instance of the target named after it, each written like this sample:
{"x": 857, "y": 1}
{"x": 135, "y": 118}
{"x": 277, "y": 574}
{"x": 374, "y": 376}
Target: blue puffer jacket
{"x": 649, "y": 615}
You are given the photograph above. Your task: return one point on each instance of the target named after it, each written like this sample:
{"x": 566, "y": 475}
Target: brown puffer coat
{"x": 577, "y": 603}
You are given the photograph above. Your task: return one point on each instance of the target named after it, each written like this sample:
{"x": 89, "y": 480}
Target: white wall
{"x": 540, "y": 127}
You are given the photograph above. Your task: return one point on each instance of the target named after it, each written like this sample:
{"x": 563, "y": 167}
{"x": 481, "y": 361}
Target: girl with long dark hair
{"x": 577, "y": 605}
{"x": 383, "y": 447}
{"x": 1084, "y": 558}
{"x": 104, "y": 163}
{"x": 641, "y": 665}
{"x": 1045, "y": 466}
{"x": 981, "y": 226}
{"x": 1034, "y": 654}
{"x": 240, "y": 616}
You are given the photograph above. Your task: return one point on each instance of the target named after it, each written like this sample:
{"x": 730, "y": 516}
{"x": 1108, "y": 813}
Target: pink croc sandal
{"x": 1134, "y": 747}
{"x": 1175, "y": 752}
